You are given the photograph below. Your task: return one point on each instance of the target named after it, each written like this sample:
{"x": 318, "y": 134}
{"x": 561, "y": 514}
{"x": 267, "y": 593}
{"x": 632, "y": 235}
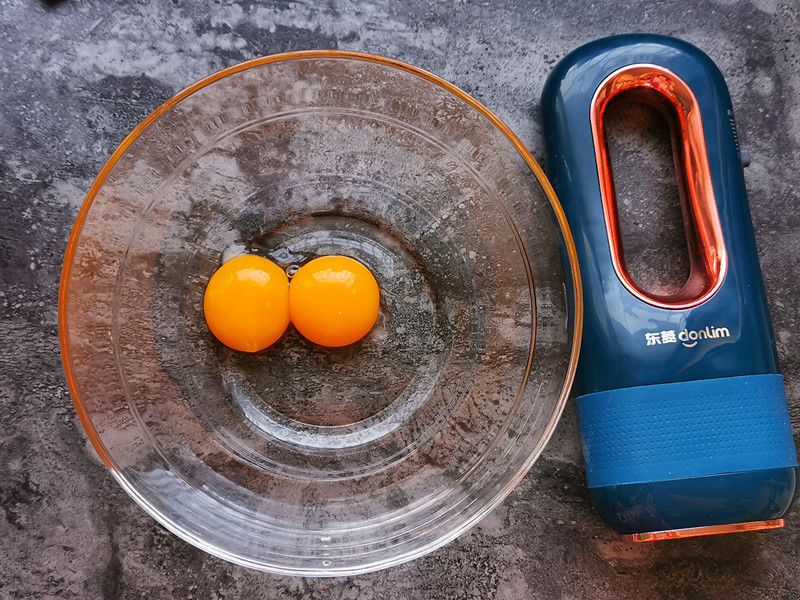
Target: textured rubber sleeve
{"x": 686, "y": 429}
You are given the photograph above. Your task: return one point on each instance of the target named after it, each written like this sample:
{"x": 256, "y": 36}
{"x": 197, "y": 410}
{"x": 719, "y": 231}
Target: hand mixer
{"x": 682, "y": 409}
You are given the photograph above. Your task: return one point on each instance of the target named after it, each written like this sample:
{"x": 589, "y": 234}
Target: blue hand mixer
{"x": 682, "y": 409}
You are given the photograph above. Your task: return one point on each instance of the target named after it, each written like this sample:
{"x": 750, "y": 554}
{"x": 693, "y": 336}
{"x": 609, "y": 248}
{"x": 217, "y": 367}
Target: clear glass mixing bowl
{"x": 300, "y": 459}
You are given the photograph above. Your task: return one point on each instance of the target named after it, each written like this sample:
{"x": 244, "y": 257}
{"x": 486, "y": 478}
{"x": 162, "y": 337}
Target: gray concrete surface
{"x": 75, "y": 77}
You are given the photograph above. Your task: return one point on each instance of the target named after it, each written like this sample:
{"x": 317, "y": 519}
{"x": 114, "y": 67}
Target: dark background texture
{"x": 76, "y": 76}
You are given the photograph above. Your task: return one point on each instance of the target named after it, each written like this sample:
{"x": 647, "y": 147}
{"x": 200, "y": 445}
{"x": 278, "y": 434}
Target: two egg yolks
{"x": 332, "y": 301}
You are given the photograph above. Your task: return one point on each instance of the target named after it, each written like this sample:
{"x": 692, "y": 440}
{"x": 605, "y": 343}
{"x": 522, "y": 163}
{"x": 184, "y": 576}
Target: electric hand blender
{"x": 682, "y": 408}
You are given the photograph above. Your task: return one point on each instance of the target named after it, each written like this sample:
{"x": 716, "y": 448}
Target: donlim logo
{"x": 690, "y": 337}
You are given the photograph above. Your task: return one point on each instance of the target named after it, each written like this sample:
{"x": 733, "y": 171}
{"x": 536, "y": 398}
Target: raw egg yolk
{"x": 246, "y": 303}
{"x": 333, "y": 300}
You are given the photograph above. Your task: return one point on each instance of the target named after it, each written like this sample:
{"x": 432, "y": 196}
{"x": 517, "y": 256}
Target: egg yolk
{"x": 246, "y": 303}
{"x": 333, "y": 301}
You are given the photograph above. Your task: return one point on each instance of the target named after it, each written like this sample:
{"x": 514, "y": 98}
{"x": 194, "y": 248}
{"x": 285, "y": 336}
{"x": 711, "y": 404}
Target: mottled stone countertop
{"x": 76, "y": 76}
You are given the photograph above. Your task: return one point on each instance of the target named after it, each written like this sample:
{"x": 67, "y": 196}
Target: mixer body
{"x": 682, "y": 409}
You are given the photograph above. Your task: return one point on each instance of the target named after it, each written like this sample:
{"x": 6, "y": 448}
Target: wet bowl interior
{"x": 301, "y": 459}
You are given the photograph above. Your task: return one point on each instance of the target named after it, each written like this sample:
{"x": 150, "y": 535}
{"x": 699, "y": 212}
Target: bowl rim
{"x": 576, "y": 316}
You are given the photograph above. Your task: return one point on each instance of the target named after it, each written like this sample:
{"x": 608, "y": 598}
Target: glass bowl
{"x": 300, "y": 459}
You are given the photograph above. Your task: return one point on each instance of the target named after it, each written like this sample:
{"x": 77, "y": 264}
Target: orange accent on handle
{"x": 667, "y": 92}
{"x": 677, "y": 534}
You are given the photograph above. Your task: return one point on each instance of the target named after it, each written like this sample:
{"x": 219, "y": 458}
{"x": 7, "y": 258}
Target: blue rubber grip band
{"x": 686, "y": 429}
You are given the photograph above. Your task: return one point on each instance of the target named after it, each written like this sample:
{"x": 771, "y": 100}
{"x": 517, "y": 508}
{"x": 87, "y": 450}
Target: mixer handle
{"x": 662, "y": 89}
